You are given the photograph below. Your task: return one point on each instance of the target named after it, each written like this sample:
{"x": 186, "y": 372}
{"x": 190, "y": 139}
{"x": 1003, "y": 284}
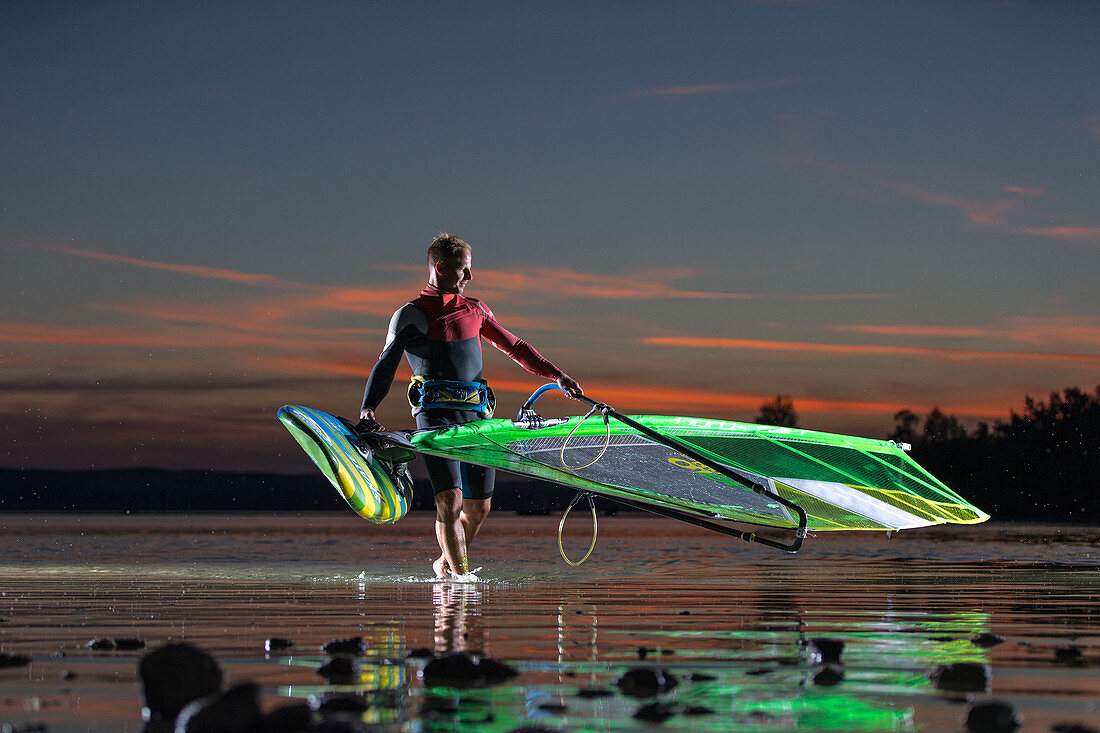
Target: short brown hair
{"x": 446, "y": 247}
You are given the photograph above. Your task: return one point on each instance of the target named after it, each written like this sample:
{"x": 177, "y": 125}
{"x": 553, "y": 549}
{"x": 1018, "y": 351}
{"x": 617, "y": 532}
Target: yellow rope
{"x": 606, "y": 441}
{"x": 561, "y": 526}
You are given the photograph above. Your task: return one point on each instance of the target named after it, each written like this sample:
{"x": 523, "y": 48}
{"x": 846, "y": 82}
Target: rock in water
{"x": 829, "y": 675}
{"x": 237, "y": 710}
{"x": 173, "y": 676}
{"x": 986, "y": 640}
{"x": 14, "y": 660}
{"x": 275, "y": 644}
{"x": 354, "y": 646}
{"x": 961, "y": 677}
{"x": 655, "y": 712}
{"x": 645, "y": 682}
{"x": 340, "y": 671}
{"x": 466, "y": 670}
{"x": 828, "y": 650}
{"x": 992, "y": 717}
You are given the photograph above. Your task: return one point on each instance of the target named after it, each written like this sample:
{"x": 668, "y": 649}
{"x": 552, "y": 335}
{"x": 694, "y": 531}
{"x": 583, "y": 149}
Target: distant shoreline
{"x": 155, "y": 491}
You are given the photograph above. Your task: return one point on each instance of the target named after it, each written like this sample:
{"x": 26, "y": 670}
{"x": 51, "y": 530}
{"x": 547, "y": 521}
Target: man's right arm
{"x": 406, "y": 323}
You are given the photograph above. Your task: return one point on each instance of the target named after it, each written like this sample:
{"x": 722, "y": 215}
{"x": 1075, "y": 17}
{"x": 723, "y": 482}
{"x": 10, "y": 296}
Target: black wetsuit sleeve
{"x": 402, "y": 330}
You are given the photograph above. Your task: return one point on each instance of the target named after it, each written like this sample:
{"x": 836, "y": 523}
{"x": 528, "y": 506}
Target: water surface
{"x": 735, "y": 624}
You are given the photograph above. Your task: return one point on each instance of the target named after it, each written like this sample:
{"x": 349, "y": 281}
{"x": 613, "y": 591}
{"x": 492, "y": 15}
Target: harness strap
{"x": 451, "y": 394}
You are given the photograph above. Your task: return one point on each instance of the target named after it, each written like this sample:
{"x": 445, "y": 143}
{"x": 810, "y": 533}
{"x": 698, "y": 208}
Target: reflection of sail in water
{"x": 457, "y": 618}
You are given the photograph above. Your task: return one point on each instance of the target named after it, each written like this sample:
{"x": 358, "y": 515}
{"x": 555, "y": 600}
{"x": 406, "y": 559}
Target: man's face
{"x": 453, "y": 273}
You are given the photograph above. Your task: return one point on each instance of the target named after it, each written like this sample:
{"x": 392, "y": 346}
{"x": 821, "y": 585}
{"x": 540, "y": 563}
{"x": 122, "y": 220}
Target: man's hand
{"x": 367, "y": 422}
{"x": 570, "y": 386}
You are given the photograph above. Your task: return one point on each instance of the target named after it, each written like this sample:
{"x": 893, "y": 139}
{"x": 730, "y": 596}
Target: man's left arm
{"x": 526, "y": 355}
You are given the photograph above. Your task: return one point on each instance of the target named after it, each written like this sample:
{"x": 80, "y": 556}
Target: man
{"x": 440, "y": 334}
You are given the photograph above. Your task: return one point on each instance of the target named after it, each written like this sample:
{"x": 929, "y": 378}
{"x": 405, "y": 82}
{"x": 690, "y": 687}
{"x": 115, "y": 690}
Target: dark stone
{"x": 237, "y": 710}
{"x": 129, "y": 645}
{"x": 758, "y": 671}
{"x": 13, "y": 660}
{"x": 987, "y": 640}
{"x": 699, "y": 677}
{"x": 174, "y": 675}
{"x": 420, "y": 653}
{"x": 1068, "y": 655}
{"x": 829, "y": 675}
{"x": 1072, "y": 728}
{"x": 553, "y": 707}
{"x": 533, "y": 728}
{"x": 339, "y": 703}
{"x": 645, "y": 682}
{"x": 594, "y": 692}
{"x": 697, "y": 710}
{"x": 654, "y": 712}
{"x": 275, "y": 644}
{"x": 466, "y": 670}
{"x": 23, "y": 728}
{"x": 828, "y": 649}
{"x": 992, "y": 717}
{"x": 101, "y": 645}
{"x": 68, "y": 674}
{"x": 961, "y": 677}
{"x": 642, "y": 653}
{"x": 354, "y": 646}
{"x": 685, "y": 613}
{"x": 340, "y": 671}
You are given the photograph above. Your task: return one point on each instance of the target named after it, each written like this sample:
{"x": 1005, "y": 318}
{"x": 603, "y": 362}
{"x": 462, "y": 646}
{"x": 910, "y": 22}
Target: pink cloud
{"x": 936, "y": 354}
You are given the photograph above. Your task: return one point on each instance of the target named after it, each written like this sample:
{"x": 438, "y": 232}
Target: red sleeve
{"x": 516, "y": 348}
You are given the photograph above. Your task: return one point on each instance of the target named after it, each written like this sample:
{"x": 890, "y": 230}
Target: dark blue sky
{"x": 210, "y": 210}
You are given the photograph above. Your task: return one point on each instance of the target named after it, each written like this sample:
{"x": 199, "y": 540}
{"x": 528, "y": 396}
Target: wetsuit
{"x": 440, "y": 335}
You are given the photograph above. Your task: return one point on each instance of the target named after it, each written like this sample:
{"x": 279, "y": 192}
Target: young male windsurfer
{"x": 440, "y": 334}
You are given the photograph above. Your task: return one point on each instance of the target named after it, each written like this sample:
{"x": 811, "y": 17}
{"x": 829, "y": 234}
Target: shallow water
{"x": 734, "y": 623}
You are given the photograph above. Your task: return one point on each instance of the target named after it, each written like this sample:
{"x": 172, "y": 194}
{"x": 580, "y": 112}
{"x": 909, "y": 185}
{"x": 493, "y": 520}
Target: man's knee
{"x": 448, "y": 506}
{"x": 476, "y": 509}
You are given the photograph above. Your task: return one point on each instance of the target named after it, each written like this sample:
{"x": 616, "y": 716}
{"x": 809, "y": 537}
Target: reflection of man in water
{"x": 440, "y": 334}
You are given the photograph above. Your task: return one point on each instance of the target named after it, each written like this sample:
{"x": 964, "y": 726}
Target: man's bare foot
{"x": 440, "y": 567}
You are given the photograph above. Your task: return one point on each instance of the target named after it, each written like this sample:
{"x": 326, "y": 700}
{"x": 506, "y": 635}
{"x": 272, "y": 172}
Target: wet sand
{"x": 736, "y": 625}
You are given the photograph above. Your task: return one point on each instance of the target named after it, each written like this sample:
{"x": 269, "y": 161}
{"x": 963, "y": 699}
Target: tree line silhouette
{"x": 1043, "y": 463}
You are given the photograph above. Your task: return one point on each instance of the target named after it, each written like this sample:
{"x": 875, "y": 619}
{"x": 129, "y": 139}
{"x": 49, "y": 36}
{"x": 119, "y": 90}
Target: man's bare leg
{"x": 449, "y": 533}
{"x": 473, "y": 514}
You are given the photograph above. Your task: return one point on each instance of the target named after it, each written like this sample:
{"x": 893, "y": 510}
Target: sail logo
{"x": 690, "y": 464}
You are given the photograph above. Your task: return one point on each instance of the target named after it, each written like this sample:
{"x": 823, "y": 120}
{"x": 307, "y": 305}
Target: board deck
{"x": 350, "y": 464}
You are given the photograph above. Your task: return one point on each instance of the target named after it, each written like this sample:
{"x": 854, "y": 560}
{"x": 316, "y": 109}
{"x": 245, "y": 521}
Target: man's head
{"x": 449, "y": 262}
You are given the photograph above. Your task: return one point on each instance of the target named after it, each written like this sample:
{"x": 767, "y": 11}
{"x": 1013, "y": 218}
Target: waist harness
{"x": 449, "y": 394}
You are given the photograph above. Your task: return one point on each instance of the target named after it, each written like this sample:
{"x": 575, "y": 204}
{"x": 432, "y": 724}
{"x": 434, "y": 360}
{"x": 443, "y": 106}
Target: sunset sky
{"x": 210, "y": 210}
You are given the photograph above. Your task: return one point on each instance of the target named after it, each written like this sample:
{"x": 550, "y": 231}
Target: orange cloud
{"x": 211, "y": 273}
{"x": 848, "y": 349}
{"x": 1080, "y": 235}
{"x": 645, "y": 398}
{"x": 1056, "y": 330}
{"x": 747, "y": 85}
{"x": 33, "y": 333}
{"x": 908, "y": 330}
